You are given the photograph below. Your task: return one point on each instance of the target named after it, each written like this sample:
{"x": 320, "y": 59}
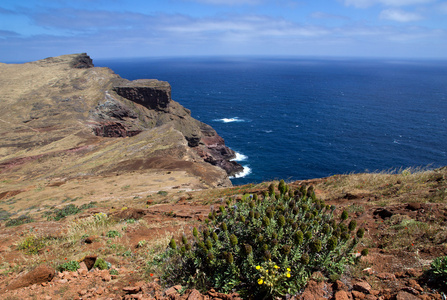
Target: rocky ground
{"x": 405, "y": 216}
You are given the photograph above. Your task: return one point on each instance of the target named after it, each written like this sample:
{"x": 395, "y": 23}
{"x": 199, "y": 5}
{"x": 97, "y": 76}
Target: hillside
{"x": 66, "y": 122}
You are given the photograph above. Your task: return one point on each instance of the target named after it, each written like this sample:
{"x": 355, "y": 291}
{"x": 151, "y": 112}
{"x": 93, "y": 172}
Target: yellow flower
{"x": 258, "y": 267}
{"x": 288, "y": 275}
{"x": 276, "y": 267}
{"x": 260, "y": 281}
{"x": 288, "y": 270}
{"x": 266, "y": 271}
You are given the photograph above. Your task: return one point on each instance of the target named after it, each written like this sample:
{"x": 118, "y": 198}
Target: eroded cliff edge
{"x": 64, "y": 118}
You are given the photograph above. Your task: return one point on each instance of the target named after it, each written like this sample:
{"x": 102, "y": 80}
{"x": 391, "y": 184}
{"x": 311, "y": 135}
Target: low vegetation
{"x": 266, "y": 240}
{"x": 264, "y": 246}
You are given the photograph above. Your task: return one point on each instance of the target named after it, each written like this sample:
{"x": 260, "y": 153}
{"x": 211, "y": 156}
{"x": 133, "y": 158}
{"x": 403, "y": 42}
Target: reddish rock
{"x": 414, "y": 272}
{"x": 132, "y": 289}
{"x": 91, "y": 239}
{"x": 402, "y": 295}
{"x": 195, "y": 295}
{"x": 314, "y": 290}
{"x": 40, "y": 274}
{"x": 362, "y": 286}
{"x": 173, "y": 291}
{"x": 386, "y": 276}
{"x": 415, "y": 285}
{"x": 340, "y": 286}
{"x": 358, "y": 295}
{"x": 90, "y": 261}
{"x": 342, "y": 295}
{"x": 414, "y": 206}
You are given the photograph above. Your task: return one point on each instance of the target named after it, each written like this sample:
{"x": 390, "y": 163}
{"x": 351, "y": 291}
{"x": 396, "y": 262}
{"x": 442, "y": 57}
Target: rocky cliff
{"x": 63, "y": 118}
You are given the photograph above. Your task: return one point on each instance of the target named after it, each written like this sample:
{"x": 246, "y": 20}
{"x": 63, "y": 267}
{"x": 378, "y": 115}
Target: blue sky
{"x": 35, "y": 29}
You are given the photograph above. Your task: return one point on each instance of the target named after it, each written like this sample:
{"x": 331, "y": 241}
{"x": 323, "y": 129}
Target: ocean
{"x": 302, "y": 118}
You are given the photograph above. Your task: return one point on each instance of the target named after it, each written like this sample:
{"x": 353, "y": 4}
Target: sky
{"x": 36, "y": 29}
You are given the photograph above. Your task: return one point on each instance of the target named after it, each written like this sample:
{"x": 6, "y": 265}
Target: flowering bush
{"x": 264, "y": 245}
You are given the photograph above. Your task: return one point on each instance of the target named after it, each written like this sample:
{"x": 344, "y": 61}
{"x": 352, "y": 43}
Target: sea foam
{"x": 240, "y": 157}
{"x": 244, "y": 173}
{"x": 229, "y": 120}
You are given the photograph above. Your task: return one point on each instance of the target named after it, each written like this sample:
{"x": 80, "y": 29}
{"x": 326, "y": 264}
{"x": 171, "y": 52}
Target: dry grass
{"x": 410, "y": 185}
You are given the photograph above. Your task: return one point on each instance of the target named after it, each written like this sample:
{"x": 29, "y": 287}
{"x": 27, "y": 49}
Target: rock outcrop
{"x": 115, "y": 118}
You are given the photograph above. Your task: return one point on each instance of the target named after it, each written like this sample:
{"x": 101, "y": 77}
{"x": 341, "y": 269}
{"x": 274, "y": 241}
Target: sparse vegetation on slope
{"x": 405, "y": 231}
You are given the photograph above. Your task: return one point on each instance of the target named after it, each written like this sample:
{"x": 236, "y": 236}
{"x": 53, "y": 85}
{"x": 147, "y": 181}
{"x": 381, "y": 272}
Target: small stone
{"x": 83, "y": 272}
{"x": 386, "y": 276}
{"x": 340, "y": 286}
{"x": 358, "y": 295}
{"x": 400, "y": 274}
{"x": 132, "y": 289}
{"x": 82, "y": 266}
{"x": 414, "y": 273}
{"x": 402, "y": 295}
{"x": 82, "y": 292}
{"x": 362, "y": 286}
{"x": 414, "y": 206}
{"x": 173, "y": 290}
{"x": 106, "y": 277}
{"x": 415, "y": 285}
{"x": 195, "y": 295}
{"x": 341, "y": 295}
{"x": 368, "y": 271}
{"x": 100, "y": 291}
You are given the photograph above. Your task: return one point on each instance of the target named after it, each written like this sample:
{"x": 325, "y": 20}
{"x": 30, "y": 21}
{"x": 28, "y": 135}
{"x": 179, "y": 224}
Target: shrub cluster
{"x": 32, "y": 244}
{"x": 68, "y": 210}
{"x": 438, "y": 271}
{"x": 71, "y": 266}
{"x": 264, "y": 246}
{"x": 24, "y": 219}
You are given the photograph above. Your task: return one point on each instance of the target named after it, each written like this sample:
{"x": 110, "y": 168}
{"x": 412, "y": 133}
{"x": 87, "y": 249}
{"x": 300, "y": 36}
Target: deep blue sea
{"x": 299, "y": 118}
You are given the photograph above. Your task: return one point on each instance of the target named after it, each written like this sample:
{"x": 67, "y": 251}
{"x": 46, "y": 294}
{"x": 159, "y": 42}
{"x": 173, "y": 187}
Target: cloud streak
{"x": 399, "y": 15}
{"x": 395, "y": 3}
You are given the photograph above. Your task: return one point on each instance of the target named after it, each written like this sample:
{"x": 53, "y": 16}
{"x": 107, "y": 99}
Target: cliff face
{"x": 64, "y": 118}
{"x": 117, "y": 119}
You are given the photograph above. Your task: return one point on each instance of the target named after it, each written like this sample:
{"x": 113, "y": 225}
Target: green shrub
{"x": 438, "y": 271}
{"x": 113, "y": 272}
{"x": 69, "y": 266}
{"x": 19, "y": 221}
{"x": 264, "y": 247}
{"x": 31, "y": 244}
{"x": 113, "y": 233}
{"x": 102, "y": 264}
{"x": 68, "y": 210}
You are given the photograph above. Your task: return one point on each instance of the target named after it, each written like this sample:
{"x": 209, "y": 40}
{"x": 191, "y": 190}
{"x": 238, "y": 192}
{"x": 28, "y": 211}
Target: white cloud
{"x": 399, "y": 15}
{"x": 395, "y": 3}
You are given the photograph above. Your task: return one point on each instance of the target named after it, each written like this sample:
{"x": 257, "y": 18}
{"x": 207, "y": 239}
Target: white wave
{"x": 244, "y": 173}
{"x": 229, "y": 120}
{"x": 240, "y": 157}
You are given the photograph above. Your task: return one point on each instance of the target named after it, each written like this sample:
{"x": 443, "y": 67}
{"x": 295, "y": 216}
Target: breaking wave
{"x": 229, "y": 120}
{"x": 245, "y": 172}
{"x": 240, "y": 157}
